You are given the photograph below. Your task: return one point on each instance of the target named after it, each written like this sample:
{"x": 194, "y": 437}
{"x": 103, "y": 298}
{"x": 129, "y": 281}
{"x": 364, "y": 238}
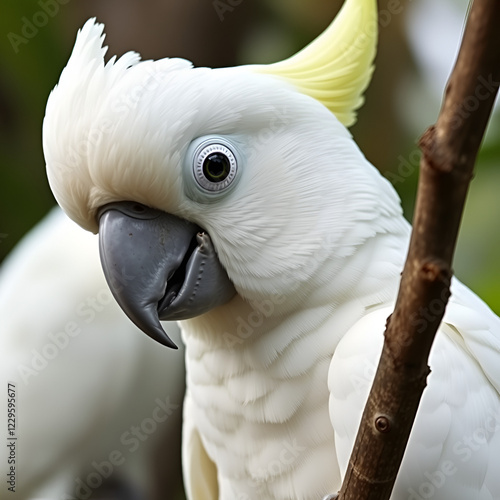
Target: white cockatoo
{"x": 235, "y": 201}
{"x": 78, "y": 374}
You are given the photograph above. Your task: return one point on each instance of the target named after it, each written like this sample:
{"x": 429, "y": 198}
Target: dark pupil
{"x": 216, "y": 167}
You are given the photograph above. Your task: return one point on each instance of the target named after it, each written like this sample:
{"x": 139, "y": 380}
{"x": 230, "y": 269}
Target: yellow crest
{"x": 336, "y": 67}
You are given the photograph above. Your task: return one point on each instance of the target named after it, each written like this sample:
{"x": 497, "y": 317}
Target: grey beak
{"x": 159, "y": 266}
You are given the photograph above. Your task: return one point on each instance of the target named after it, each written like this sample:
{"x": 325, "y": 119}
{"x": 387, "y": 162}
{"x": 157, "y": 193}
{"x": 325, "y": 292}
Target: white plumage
{"x": 313, "y": 239}
{"x": 83, "y": 373}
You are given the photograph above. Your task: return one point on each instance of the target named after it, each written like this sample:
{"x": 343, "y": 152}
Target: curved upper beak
{"x": 159, "y": 266}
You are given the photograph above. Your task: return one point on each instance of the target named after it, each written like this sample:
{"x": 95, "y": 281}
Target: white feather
{"x": 83, "y": 373}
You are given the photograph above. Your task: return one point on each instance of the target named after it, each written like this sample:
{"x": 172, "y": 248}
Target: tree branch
{"x": 449, "y": 151}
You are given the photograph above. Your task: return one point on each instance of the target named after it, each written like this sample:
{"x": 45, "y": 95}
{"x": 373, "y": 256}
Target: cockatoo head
{"x": 205, "y": 183}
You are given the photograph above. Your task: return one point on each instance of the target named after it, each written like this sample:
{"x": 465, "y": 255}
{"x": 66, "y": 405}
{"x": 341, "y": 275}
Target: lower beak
{"x": 159, "y": 266}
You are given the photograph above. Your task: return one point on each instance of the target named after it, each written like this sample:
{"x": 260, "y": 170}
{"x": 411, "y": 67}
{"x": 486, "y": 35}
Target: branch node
{"x": 432, "y": 153}
{"x": 383, "y": 424}
{"x": 435, "y": 270}
{"x": 427, "y": 140}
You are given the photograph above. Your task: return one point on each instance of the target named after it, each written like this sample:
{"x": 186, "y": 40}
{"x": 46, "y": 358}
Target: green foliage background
{"x": 27, "y": 76}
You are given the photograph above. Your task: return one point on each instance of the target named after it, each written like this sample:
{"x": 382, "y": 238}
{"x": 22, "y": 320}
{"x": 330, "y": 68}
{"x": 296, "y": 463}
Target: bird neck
{"x": 366, "y": 278}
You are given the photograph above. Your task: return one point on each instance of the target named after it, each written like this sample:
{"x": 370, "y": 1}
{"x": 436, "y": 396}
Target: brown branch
{"x": 449, "y": 151}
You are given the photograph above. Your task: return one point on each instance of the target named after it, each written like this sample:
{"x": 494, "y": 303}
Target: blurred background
{"x": 417, "y": 48}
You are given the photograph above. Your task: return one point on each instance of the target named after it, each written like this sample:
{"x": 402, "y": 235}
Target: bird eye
{"x": 214, "y": 166}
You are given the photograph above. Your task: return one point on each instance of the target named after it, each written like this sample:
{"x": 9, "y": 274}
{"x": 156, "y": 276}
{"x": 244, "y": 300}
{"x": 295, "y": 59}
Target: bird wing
{"x": 200, "y": 473}
{"x": 454, "y": 444}
{"x": 83, "y": 373}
